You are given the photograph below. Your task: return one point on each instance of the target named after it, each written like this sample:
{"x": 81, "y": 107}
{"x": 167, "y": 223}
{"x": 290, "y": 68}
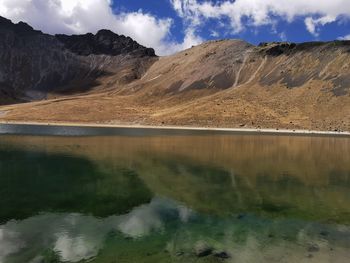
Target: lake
{"x": 194, "y": 197}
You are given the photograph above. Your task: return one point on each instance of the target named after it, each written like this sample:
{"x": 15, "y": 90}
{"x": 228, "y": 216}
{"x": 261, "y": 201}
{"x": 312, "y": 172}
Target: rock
{"x": 313, "y": 248}
{"x": 324, "y": 233}
{"x": 222, "y": 254}
{"x": 241, "y": 216}
{"x": 179, "y": 253}
{"x": 202, "y": 249}
{"x": 263, "y": 44}
{"x": 277, "y": 48}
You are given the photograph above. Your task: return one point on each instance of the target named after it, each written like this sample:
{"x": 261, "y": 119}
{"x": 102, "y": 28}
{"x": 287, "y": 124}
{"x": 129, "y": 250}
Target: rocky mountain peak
{"x": 104, "y": 42}
{"x": 19, "y": 28}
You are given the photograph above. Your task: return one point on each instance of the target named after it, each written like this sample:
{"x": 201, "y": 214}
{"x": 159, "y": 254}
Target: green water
{"x": 200, "y": 198}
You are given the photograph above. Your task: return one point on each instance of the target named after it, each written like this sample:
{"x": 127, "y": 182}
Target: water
{"x": 179, "y": 198}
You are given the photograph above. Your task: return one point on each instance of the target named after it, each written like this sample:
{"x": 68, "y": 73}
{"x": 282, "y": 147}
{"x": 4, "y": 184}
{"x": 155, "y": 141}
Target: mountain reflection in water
{"x": 157, "y": 198}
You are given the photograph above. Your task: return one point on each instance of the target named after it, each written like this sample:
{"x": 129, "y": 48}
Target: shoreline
{"x": 180, "y": 128}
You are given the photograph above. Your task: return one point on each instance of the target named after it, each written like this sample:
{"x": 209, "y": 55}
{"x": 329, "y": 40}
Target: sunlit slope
{"x": 222, "y": 83}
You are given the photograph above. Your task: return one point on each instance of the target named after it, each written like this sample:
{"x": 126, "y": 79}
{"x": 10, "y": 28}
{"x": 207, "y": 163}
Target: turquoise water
{"x": 193, "y": 198}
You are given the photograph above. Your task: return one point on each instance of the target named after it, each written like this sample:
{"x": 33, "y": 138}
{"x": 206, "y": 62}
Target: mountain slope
{"x": 32, "y": 64}
{"x": 227, "y": 83}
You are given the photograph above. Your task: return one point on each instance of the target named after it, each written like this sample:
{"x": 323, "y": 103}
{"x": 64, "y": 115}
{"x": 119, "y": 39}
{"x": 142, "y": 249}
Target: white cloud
{"x": 82, "y": 16}
{"x": 313, "y": 24}
{"x": 214, "y": 33}
{"x": 257, "y": 13}
{"x": 283, "y": 36}
{"x": 190, "y": 39}
{"x": 347, "y": 37}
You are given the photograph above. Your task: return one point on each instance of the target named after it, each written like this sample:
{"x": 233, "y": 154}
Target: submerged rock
{"x": 313, "y": 248}
{"x": 222, "y": 254}
{"x": 241, "y": 216}
{"x": 324, "y": 233}
{"x": 179, "y": 253}
{"x": 202, "y": 249}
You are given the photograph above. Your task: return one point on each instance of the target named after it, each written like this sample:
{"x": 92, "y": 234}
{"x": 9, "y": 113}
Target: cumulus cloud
{"x": 313, "y": 24}
{"x": 257, "y": 13}
{"x": 190, "y": 39}
{"x": 347, "y": 37}
{"x": 82, "y": 16}
{"x": 283, "y": 36}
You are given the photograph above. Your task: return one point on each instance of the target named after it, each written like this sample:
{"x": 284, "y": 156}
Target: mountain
{"x": 229, "y": 83}
{"x": 32, "y": 64}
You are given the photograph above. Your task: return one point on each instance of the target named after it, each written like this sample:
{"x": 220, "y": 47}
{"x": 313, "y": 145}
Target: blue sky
{"x": 173, "y": 25}
{"x": 294, "y": 31}
{"x": 159, "y": 8}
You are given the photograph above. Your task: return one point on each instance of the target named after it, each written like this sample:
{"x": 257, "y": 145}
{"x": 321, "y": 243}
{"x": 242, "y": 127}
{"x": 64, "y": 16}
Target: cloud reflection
{"x": 10, "y": 243}
{"x": 75, "y": 237}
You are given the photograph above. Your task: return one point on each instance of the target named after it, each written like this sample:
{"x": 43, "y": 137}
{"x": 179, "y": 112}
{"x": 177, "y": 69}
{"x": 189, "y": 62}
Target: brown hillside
{"x": 226, "y": 83}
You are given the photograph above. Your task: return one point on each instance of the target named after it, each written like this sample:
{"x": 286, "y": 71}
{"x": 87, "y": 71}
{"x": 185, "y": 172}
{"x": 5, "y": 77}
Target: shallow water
{"x": 156, "y": 198}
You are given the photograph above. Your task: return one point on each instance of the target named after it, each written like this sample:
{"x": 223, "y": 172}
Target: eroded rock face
{"x": 33, "y": 63}
{"x": 295, "y": 65}
{"x": 290, "y": 48}
{"x": 104, "y": 42}
{"x": 277, "y": 48}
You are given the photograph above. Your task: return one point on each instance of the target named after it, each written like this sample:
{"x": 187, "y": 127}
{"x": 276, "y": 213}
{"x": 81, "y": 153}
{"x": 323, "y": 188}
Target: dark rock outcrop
{"x": 104, "y": 42}
{"x": 289, "y": 48}
{"x": 20, "y": 28}
{"x": 277, "y": 48}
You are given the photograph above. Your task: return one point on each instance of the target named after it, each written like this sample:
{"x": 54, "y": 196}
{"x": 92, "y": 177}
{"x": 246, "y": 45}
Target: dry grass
{"x": 172, "y": 93}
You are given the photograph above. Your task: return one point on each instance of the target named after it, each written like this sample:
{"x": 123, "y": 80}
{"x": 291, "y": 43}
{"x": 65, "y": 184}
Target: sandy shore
{"x": 186, "y": 128}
